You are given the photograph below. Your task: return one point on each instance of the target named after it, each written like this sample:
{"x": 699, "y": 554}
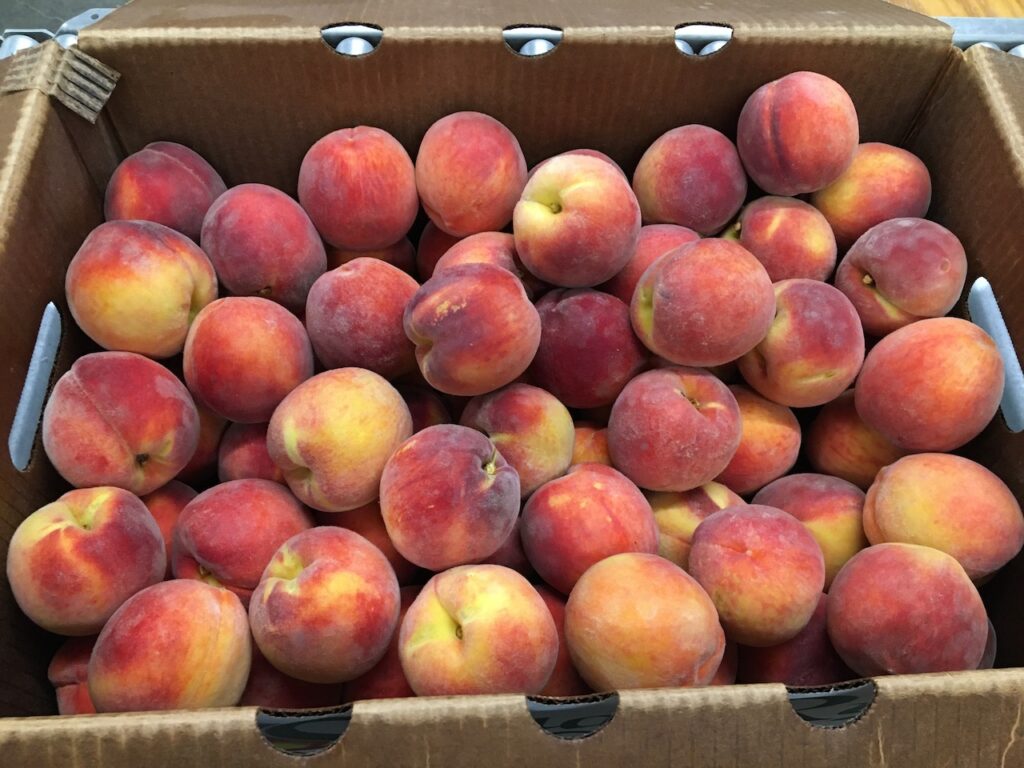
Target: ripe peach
{"x": 769, "y": 443}
{"x": 201, "y": 469}
{"x": 577, "y": 520}
{"x": 763, "y": 570}
{"x": 180, "y": 644}
{"x": 400, "y": 254}
{"x": 789, "y": 237}
{"x": 950, "y": 503}
{"x": 931, "y": 386}
{"x": 270, "y": 688}
{"x": 136, "y": 286}
{"x": 326, "y": 606}
{"x": 673, "y": 429}
{"x": 588, "y": 350}
{"x": 830, "y": 508}
{"x": 726, "y": 672}
{"x": 433, "y": 244}
{"x": 883, "y": 182}
{"x": 164, "y": 182}
{"x": 586, "y": 153}
{"x": 590, "y": 445}
{"x": 474, "y": 329}
{"x": 898, "y": 609}
{"x": 690, "y": 176}
{"x": 678, "y": 514}
{"x": 243, "y": 454}
{"x": 565, "y": 680}
{"x": 354, "y": 318}
{"x": 497, "y": 248}
{"x": 117, "y": 418}
{"x": 425, "y": 406}
{"x": 900, "y": 271}
{"x": 68, "y": 674}
{"x": 577, "y": 222}
{"x": 448, "y": 497}
{"x": 638, "y": 621}
{"x": 813, "y": 349}
{"x": 368, "y": 522}
{"x": 332, "y": 435}
{"x": 653, "y": 242}
{"x": 385, "y": 680}
{"x": 226, "y": 536}
{"x": 511, "y": 553}
{"x": 703, "y": 304}
{"x": 243, "y": 355}
{"x": 165, "y": 505}
{"x": 797, "y": 134}
{"x": 469, "y": 173}
{"x": 478, "y": 629}
{"x": 359, "y": 189}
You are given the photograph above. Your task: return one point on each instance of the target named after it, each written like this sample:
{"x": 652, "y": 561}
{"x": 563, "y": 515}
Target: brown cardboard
{"x": 251, "y": 87}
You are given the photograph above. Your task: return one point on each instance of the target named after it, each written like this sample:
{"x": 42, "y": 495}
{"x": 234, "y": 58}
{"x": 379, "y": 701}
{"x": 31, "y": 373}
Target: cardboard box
{"x": 252, "y": 86}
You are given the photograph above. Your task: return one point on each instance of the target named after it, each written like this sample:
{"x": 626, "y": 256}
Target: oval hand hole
{"x": 301, "y": 734}
{"x": 575, "y": 718}
{"x": 702, "y": 39}
{"x": 352, "y": 39}
{"x": 833, "y": 707}
{"x": 531, "y": 40}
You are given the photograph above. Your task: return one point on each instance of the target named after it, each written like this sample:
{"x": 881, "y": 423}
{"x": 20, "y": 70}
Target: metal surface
{"x": 33, "y": 393}
{"x": 985, "y": 312}
{"x": 1002, "y": 33}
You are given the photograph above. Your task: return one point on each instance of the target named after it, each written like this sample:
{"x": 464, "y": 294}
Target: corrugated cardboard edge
{"x": 78, "y": 81}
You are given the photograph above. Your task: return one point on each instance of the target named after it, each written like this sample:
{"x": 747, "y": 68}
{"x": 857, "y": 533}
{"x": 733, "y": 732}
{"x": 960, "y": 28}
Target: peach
{"x": 901, "y": 271}
{"x": 359, "y": 188}
{"x": 478, "y": 629}
{"x": 653, "y": 242}
{"x": 577, "y": 520}
{"x": 813, "y": 349}
{"x": 385, "y": 680}
{"x": 511, "y": 553}
{"x": 808, "y": 659}
{"x": 271, "y": 689}
{"x": 673, "y": 429}
{"x": 165, "y": 505}
{"x": 68, "y": 674}
{"x": 136, "y": 286}
{"x": 368, "y": 522}
{"x": 638, "y": 621}
{"x": 931, "y": 386}
{"x": 565, "y": 680}
{"x": 883, "y": 182}
{"x": 690, "y": 176}
{"x": 726, "y": 672}
{"x": 469, "y": 173}
{"x": 587, "y": 351}
{"x": 763, "y": 570}
{"x": 448, "y": 497}
{"x": 797, "y": 134}
{"x": 703, "y": 304}
{"x": 180, "y": 644}
{"x": 354, "y": 318}
{"x": 677, "y": 515}
{"x": 117, "y": 418}
{"x": 433, "y": 244}
{"x": 789, "y": 237}
{"x": 243, "y": 454}
{"x": 474, "y": 329}
{"x": 400, "y": 254}
{"x": 202, "y": 467}
{"x": 326, "y": 606}
{"x": 769, "y": 443}
{"x": 577, "y": 222}
{"x": 839, "y": 443}
{"x": 497, "y": 248}
{"x": 830, "y": 508}
{"x": 332, "y": 435}
{"x": 584, "y": 152}
{"x": 227, "y": 535}
{"x": 531, "y": 429}
{"x": 243, "y": 355}
{"x": 164, "y": 182}
{"x": 425, "y": 406}
{"x": 898, "y": 609}
{"x": 950, "y": 503}
{"x": 262, "y": 243}
{"x": 590, "y": 444}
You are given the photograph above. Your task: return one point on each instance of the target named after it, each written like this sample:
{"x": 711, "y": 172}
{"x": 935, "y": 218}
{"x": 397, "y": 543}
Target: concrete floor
{"x": 44, "y": 14}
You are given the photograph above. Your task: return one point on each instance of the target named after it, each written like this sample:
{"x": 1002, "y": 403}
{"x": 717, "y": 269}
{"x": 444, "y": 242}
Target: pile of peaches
{"x": 315, "y": 464}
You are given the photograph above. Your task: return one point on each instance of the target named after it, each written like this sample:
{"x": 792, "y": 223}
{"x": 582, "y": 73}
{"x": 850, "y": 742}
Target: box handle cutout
{"x": 984, "y": 311}
{"x": 301, "y": 734}
{"x": 352, "y": 39}
{"x": 834, "y": 707}
{"x": 531, "y": 40}
{"x": 33, "y": 392}
{"x": 573, "y": 718}
{"x": 702, "y": 39}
